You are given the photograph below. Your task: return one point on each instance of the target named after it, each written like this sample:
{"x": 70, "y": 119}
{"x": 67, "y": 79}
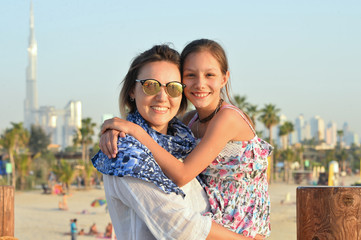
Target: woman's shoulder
{"x": 187, "y": 116}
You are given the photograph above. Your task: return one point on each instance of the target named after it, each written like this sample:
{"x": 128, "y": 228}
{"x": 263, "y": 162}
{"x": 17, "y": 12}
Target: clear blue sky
{"x": 302, "y": 56}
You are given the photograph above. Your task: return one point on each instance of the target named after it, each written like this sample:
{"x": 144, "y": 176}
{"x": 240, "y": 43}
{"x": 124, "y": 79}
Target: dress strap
{"x": 194, "y": 118}
{"x": 242, "y": 115}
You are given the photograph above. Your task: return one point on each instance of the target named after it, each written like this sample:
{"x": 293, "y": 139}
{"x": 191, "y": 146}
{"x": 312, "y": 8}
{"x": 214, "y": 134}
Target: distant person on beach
{"x": 51, "y": 181}
{"x": 93, "y": 229}
{"x": 230, "y": 157}
{"x": 143, "y": 203}
{"x": 63, "y": 205}
{"x": 73, "y": 228}
{"x": 81, "y": 232}
{"x": 108, "y": 230}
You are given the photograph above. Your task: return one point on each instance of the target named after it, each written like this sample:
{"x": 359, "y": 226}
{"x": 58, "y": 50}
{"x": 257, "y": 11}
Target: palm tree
{"x": 340, "y": 135}
{"x": 299, "y": 149}
{"x": 65, "y": 173}
{"x": 285, "y": 130}
{"x": 23, "y": 163}
{"x": 283, "y": 135}
{"x": 341, "y": 153}
{"x": 23, "y": 136}
{"x": 269, "y": 117}
{"x": 253, "y": 112}
{"x": 288, "y": 157}
{"x": 84, "y": 137}
{"x": 12, "y": 139}
{"x": 8, "y": 142}
{"x": 39, "y": 140}
{"x": 276, "y": 153}
{"x": 241, "y": 102}
{"x": 88, "y": 172}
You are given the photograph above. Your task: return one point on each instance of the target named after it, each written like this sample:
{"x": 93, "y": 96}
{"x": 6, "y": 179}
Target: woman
{"x": 143, "y": 203}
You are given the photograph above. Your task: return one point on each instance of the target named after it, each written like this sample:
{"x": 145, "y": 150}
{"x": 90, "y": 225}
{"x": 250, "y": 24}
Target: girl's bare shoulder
{"x": 234, "y": 122}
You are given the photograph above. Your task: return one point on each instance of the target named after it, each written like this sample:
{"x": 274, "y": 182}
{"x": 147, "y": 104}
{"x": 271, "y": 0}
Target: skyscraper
{"x": 48, "y": 118}
{"x": 72, "y": 121}
{"x": 331, "y": 134}
{"x": 318, "y": 128}
{"x": 307, "y": 131}
{"x": 31, "y": 100}
{"x": 299, "y": 128}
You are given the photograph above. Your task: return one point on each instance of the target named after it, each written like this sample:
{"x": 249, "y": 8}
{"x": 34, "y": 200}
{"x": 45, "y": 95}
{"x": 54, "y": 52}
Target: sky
{"x": 302, "y": 56}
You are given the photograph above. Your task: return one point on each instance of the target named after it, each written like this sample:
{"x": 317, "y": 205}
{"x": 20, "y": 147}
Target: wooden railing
{"x": 328, "y": 213}
{"x": 7, "y": 213}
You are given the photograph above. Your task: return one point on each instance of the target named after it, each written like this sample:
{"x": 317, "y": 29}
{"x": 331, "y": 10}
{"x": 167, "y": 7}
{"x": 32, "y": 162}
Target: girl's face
{"x": 160, "y": 108}
{"x": 204, "y": 80}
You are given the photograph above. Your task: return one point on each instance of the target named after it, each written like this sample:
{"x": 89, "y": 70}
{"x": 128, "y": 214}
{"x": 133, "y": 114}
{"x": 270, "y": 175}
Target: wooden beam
{"x": 328, "y": 213}
{"x": 6, "y": 211}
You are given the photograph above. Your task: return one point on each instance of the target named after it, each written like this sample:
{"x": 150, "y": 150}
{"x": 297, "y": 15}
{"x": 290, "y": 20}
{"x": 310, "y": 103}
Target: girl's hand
{"x": 114, "y": 128}
{"x": 108, "y": 142}
{"x": 118, "y": 124}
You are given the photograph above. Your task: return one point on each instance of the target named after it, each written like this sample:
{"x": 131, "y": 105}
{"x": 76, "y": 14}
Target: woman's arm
{"x": 225, "y": 126}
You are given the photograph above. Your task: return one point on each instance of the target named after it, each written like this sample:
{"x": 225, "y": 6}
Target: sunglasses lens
{"x": 151, "y": 87}
{"x": 174, "y": 89}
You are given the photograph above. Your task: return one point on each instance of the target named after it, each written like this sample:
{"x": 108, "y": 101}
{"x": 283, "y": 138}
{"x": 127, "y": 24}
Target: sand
{"x": 37, "y": 215}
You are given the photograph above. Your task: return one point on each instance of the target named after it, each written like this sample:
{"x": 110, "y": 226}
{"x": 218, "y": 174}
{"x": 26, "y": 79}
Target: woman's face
{"x": 204, "y": 80}
{"x": 160, "y": 108}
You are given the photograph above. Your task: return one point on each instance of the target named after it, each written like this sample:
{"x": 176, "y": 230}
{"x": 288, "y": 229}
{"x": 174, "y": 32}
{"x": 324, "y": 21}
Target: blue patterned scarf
{"x": 135, "y": 160}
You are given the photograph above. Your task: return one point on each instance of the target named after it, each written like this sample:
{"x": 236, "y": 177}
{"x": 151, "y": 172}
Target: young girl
{"x": 231, "y": 158}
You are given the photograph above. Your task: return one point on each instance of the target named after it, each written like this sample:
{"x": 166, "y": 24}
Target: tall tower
{"x": 318, "y": 128}
{"x": 31, "y": 101}
{"x": 299, "y": 127}
{"x": 72, "y": 121}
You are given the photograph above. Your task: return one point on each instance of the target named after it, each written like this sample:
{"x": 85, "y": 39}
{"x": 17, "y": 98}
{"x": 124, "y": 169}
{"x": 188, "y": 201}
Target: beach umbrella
{"x": 98, "y": 202}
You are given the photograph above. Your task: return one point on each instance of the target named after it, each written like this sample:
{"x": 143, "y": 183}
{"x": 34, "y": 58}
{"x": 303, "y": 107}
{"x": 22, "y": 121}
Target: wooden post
{"x": 360, "y": 169}
{"x": 6, "y": 212}
{"x": 328, "y": 213}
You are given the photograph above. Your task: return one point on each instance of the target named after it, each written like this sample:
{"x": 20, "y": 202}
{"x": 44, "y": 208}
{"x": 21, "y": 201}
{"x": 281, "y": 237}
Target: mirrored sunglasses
{"x": 152, "y": 87}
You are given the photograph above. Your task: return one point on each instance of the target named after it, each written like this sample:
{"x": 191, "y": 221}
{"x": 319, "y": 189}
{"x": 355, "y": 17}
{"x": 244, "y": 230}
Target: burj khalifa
{"x": 31, "y": 108}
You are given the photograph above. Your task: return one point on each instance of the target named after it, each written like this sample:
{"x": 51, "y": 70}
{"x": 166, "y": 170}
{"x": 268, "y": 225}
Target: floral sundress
{"x": 237, "y": 187}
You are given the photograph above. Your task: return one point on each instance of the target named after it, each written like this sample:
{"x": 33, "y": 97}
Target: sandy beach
{"x": 37, "y": 215}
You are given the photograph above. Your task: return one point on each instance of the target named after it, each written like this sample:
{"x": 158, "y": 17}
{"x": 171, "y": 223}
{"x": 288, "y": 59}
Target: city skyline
{"x": 321, "y": 131}
{"x": 302, "y": 57}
